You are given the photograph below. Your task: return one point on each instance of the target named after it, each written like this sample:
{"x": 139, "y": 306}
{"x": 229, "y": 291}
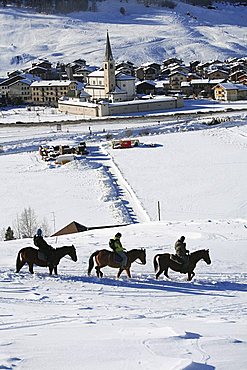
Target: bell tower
{"x": 109, "y": 68}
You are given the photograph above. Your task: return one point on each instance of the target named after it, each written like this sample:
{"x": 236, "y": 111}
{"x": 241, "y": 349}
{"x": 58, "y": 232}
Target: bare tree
{"x": 26, "y": 223}
{"x": 45, "y": 227}
{"x": 17, "y": 227}
{"x": 2, "y": 233}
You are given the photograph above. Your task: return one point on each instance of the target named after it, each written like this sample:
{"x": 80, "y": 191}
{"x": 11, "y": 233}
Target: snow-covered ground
{"x": 142, "y": 35}
{"x": 198, "y": 173}
{"x": 39, "y": 114}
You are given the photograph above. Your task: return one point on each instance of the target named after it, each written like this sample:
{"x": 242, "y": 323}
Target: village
{"x": 121, "y": 87}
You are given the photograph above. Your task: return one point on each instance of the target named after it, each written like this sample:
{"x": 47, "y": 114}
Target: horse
{"x": 104, "y": 258}
{"x": 30, "y": 256}
{"x": 164, "y": 261}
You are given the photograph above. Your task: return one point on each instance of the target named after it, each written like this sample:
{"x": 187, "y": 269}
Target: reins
{"x": 139, "y": 263}
{"x": 67, "y": 257}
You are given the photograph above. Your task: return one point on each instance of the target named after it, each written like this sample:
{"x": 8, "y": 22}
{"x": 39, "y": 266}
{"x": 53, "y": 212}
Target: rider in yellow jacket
{"x": 119, "y": 249}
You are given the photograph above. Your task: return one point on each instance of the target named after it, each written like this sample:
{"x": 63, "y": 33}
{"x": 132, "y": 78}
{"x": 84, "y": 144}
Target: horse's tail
{"x": 155, "y": 262}
{"x": 91, "y": 262}
{"x": 19, "y": 262}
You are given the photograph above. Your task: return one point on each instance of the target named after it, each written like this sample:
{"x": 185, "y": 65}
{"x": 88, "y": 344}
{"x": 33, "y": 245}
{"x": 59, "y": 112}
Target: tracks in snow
{"x": 126, "y": 193}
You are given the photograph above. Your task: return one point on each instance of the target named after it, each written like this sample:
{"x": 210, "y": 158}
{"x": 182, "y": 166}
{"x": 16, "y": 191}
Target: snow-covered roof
{"x": 37, "y": 67}
{"x": 98, "y": 73}
{"x": 118, "y": 91}
{"x": 161, "y": 83}
{"x": 178, "y": 73}
{"x": 122, "y": 76}
{"x": 205, "y": 81}
{"x": 185, "y": 84}
{"x": 149, "y": 82}
{"x": 231, "y": 86}
{"x": 46, "y": 83}
{"x": 24, "y": 81}
{"x": 134, "y": 102}
{"x": 76, "y": 101}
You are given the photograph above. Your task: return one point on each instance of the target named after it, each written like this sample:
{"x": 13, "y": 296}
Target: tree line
{"x": 67, "y": 6}
{"x": 50, "y": 6}
{"x": 25, "y": 225}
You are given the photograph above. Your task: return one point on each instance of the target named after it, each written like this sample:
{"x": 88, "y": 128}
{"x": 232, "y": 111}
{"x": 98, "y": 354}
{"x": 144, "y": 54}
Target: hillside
{"x": 188, "y": 32}
{"x": 75, "y": 321}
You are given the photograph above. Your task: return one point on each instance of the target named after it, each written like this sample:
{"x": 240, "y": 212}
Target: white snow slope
{"x": 142, "y": 35}
{"x": 73, "y": 321}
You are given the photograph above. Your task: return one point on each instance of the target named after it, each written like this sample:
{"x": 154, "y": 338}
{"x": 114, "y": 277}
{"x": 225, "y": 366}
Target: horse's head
{"x": 206, "y": 256}
{"x": 142, "y": 256}
{"x": 72, "y": 253}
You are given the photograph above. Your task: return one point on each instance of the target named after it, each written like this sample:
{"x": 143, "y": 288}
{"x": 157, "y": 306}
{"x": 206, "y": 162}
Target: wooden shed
{"x": 73, "y": 227}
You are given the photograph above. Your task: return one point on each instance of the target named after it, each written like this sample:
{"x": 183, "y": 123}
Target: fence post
{"x": 158, "y": 210}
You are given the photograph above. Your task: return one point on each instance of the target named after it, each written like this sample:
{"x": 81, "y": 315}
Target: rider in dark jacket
{"x": 181, "y": 251}
{"x": 45, "y": 248}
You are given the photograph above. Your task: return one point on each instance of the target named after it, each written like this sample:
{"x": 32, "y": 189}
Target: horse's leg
{"x": 190, "y": 275}
{"x": 19, "y": 266}
{"x": 128, "y": 272}
{"x": 166, "y": 273}
{"x": 50, "y": 269}
{"x": 98, "y": 271}
{"x": 31, "y": 267}
{"x": 120, "y": 272}
{"x": 55, "y": 270}
{"x": 159, "y": 273}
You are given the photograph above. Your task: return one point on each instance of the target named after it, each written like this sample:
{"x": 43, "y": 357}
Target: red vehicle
{"x": 125, "y": 143}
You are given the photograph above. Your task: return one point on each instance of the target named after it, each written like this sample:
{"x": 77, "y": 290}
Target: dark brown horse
{"x": 164, "y": 262}
{"x": 29, "y": 255}
{"x": 107, "y": 258}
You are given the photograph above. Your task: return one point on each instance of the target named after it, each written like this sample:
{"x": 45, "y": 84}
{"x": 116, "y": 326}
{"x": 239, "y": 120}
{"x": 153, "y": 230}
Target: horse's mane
{"x": 136, "y": 249}
{"x": 198, "y": 251}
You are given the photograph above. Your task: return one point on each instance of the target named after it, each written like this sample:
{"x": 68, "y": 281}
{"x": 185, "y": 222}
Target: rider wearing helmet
{"x": 181, "y": 251}
{"x": 45, "y": 248}
{"x": 120, "y": 250}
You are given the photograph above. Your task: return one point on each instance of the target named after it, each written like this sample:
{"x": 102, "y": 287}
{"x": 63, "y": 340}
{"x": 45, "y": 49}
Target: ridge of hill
{"x": 188, "y": 32}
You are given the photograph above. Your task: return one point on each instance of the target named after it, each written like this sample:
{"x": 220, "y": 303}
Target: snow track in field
{"x": 126, "y": 193}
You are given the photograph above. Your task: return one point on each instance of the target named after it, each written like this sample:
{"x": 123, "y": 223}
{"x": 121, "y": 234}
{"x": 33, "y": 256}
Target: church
{"x": 111, "y": 93}
{"x": 106, "y": 84}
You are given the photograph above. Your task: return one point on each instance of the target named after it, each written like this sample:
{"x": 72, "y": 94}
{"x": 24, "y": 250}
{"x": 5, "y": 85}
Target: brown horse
{"x": 107, "y": 258}
{"x": 29, "y": 255}
{"x": 165, "y": 261}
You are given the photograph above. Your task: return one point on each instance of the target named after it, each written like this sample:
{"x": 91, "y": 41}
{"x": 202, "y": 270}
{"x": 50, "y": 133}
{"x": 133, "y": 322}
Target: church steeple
{"x": 108, "y": 52}
{"x": 109, "y": 68}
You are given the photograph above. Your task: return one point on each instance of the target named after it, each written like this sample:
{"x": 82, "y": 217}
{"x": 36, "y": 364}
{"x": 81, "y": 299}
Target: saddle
{"x": 183, "y": 264}
{"x": 42, "y": 256}
{"x": 177, "y": 259}
{"x": 116, "y": 257}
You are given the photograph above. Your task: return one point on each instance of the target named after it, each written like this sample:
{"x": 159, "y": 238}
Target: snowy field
{"x": 142, "y": 35}
{"x": 72, "y": 321}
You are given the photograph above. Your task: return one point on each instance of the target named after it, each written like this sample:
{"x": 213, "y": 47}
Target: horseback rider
{"x": 182, "y": 254}
{"x": 45, "y": 248}
{"x": 119, "y": 249}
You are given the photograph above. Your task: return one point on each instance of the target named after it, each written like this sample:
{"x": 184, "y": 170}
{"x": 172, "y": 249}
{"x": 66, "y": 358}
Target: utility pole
{"x": 158, "y": 210}
{"x": 54, "y": 221}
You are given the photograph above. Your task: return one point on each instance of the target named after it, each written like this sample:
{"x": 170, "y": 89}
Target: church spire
{"x": 109, "y": 69}
{"x": 108, "y": 52}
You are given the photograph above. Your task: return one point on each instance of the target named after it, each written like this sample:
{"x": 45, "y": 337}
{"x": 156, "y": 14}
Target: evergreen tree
{"x": 9, "y": 234}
